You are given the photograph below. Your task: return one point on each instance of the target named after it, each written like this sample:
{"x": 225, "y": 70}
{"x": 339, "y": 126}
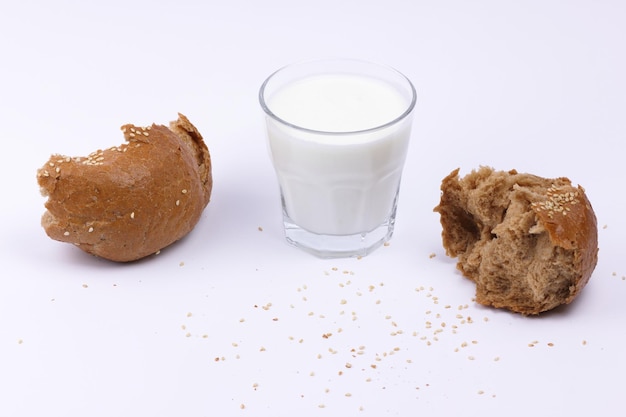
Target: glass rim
{"x": 392, "y": 122}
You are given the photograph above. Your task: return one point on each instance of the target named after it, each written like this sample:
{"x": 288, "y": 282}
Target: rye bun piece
{"x": 529, "y": 243}
{"x": 129, "y": 201}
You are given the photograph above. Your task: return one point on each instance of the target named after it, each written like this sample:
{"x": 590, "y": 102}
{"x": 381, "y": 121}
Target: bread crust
{"x": 129, "y": 201}
{"x": 529, "y": 243}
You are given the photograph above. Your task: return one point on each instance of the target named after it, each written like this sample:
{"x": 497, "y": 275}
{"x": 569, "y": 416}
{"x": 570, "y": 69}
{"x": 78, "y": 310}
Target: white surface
{"x": 230, "y": 321}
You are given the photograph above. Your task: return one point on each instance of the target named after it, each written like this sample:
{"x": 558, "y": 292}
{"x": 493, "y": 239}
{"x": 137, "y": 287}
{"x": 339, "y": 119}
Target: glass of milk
{"x": 338, "y": 132}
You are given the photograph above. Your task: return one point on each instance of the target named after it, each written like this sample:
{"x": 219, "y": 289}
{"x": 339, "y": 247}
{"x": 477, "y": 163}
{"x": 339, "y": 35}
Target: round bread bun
{"x": 529, "y": 243}
{"x": 129, "y": 201}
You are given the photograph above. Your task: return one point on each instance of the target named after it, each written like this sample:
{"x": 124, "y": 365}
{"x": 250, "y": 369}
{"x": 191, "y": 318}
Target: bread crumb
{"x": 432, "y": 255}
{"x": 260, "y": 229}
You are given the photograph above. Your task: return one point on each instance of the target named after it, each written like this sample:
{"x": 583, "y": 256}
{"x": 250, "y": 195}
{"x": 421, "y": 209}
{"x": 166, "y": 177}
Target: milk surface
{"x": 338, "y": 103}
{"x": 341, "y": 176}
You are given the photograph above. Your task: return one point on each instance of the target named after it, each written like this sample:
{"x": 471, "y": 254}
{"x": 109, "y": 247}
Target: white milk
{"x": 341, "y": 183}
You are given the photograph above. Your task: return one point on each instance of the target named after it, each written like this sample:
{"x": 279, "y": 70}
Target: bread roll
{"x": 529, "y": 243}
{"x": 129, "y": 201}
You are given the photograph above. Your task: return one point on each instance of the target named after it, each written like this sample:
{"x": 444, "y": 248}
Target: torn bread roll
{"x": 129, "y": 201}
{"x": 529, "y": 243}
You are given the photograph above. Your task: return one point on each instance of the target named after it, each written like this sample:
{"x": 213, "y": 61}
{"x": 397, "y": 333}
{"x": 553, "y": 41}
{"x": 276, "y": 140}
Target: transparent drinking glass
{"x": 338, "y": 131}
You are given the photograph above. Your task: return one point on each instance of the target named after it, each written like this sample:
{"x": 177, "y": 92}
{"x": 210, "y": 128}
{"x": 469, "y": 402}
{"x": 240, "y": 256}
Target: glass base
{"x": 338, "y": 246}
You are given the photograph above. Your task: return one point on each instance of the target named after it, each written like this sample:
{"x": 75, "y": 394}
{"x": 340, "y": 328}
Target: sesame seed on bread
{"x": 529, "y": 243}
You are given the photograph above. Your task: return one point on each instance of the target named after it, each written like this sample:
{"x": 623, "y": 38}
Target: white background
{"x": 231, "y": 321}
